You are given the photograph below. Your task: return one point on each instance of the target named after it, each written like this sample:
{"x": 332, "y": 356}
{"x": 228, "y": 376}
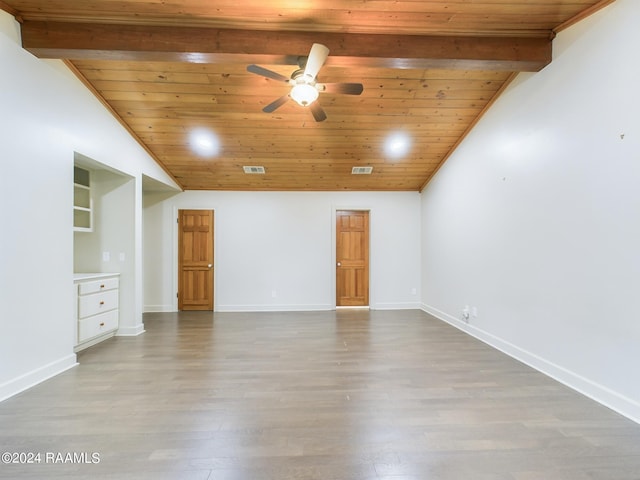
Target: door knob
{"x": 339, "y": 264}
{"x": 210, "y": 265}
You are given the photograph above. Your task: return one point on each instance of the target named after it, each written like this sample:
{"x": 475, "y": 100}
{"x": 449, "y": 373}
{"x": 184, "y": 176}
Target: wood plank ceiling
{"x": 167, "y": 69}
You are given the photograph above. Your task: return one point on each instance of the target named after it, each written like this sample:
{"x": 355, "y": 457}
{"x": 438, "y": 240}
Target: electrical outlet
{"x": 474, "y": 312}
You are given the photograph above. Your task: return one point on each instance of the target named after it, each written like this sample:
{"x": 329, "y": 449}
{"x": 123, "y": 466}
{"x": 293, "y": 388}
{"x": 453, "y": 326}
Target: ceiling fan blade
{"x": 345, "y": 88}
{"x": 258, "y": 70}
{"x": 317, "y": 56}
{"x": 318, "y": 112}
{"x": 276, "y": 104}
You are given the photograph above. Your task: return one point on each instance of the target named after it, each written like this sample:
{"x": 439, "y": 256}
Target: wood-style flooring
{"x": 347, "y": 395}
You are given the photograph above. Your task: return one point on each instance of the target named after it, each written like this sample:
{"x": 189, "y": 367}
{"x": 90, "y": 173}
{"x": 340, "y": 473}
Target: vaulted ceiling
{"x": 173, "y": 70}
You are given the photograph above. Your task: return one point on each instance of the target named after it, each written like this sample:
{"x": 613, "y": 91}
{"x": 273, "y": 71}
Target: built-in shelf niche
{"x": 82, "y": 202}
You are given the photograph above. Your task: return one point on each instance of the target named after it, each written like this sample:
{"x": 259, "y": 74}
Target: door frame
{"x": 175, "y": 253}
{"x": 359, "y": 208}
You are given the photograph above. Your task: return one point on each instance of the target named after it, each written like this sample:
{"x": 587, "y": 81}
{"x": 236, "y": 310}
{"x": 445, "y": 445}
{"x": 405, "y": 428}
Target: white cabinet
{"x": 96, "y": 307}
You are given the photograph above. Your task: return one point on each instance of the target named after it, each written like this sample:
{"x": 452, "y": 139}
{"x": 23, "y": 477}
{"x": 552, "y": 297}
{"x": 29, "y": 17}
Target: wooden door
{"x": 352, "y": 258}
{"x": 195, "y": 260}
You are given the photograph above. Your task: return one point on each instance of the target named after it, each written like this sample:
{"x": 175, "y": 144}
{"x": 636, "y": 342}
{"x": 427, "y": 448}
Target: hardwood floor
{"x": 347, "y": 395}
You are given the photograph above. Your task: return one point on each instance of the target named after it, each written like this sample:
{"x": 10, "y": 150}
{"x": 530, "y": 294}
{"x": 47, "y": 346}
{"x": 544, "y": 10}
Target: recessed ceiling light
{"x": 397, "y": 145}
{"x": 204, "y": 142}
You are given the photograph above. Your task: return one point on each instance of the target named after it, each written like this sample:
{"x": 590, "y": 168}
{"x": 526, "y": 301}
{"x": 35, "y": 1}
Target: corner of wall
{"x": 599, "y": 393}
{"x": 34, "y": 377}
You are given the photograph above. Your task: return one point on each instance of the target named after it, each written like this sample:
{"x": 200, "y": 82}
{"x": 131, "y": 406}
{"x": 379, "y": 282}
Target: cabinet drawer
{"x": 97, "y": 325}
{"x": 97, "y": 303}
{"x": 95, "y": 286}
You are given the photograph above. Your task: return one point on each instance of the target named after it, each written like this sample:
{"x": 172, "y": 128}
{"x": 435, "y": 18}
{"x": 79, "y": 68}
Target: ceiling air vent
{"x": 254, "y": 169}
{"x": 361, "y": 170}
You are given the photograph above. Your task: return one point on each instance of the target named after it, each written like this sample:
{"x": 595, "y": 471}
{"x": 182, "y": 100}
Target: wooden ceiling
{"x": 169, "y": 68}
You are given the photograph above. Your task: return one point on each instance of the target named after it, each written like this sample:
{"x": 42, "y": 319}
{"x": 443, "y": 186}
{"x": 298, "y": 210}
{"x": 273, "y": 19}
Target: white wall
{"x": 535, "y": 220}
{"x": 46, "y": 115}
{"x": 285, "y": 242}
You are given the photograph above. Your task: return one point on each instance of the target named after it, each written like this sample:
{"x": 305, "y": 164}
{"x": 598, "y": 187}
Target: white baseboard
{"x": 285, "y": 308}
{"x": 34, "y": 377}
{"x": 130, "y": 331}
{"x": 619, "y": 403}
{"x": 274, "y": 308}
{"x": 247, "y": 308}
{"x": 159, "y": 308}
{"x": 397, "y": 306}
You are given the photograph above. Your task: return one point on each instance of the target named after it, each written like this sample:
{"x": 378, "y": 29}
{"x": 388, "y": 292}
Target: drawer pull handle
{"x": 102, "y": 324}
{"x": 102, "y": 302}
{"x": 102, "y": 286}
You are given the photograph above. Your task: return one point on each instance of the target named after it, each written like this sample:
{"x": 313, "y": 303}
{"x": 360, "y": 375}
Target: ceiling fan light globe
{"x": 304, "y": 94}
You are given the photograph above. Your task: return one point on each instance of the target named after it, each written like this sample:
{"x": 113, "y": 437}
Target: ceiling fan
{"x": 305, "y": 87}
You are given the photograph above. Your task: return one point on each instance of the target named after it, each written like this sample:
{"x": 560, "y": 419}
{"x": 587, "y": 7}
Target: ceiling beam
{"x": 95, "y": 41}
{"x": 9, "y": 9}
